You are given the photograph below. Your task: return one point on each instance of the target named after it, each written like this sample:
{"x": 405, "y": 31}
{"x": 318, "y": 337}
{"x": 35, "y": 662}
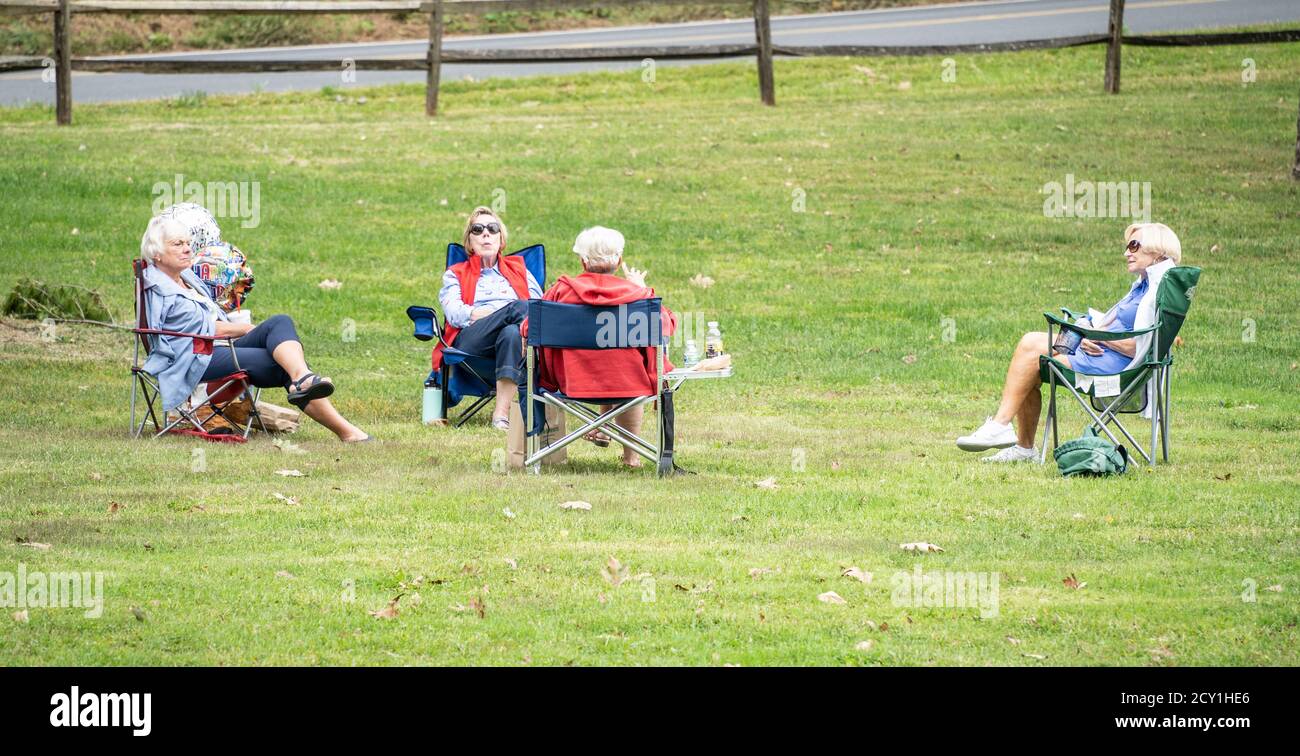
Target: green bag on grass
{"x": 1092, "y": 454}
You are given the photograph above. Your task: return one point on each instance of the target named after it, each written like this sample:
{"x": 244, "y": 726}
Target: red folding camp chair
{"x": 190, "y": 418}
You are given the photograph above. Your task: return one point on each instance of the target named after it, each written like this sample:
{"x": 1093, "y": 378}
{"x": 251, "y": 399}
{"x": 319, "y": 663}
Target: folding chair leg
{"x": 135, "y": 386}
{"x": 592, "y": 421}
{"x": 1049, "y": 423}
{"x": 1164, "y": 416}
{"x": 529, "y": 436}
{"x": 474, "y": 408}
{"x": 1155, "y": 415}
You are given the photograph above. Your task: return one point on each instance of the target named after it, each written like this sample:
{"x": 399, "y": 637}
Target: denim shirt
{"x": 170, "y": 308}
{"x": 493, "y": 291}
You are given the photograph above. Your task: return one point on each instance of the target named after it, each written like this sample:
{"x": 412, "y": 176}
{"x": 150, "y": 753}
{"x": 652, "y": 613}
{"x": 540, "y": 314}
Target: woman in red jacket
{"x": 485, "y": 300}
{"x": 599, "y": 373}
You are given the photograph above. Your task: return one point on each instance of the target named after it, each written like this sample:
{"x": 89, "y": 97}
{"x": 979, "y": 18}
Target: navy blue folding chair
{"x": 554, "y": 325}
{"x": 464, "y": 374}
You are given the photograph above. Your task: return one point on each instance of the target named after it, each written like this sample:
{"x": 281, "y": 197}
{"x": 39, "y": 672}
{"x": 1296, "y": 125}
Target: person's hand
{"x": 635, "y": 276}
{"x": 1090, "y": 347}
{"x": 478, "y": 313}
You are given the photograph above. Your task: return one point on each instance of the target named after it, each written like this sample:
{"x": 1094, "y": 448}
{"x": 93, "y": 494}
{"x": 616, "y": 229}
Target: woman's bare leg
{"x": 323, "y": 412}
{"x": 1020, "y": 395}
{"x": 629, "y": 421}
{"x": 505, "y": 390}
{"x": 289, "y": 356}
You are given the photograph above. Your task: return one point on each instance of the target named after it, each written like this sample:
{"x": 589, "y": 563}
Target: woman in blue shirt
{"x": 1148, "y": 248}
{"x": 270, "y": 353}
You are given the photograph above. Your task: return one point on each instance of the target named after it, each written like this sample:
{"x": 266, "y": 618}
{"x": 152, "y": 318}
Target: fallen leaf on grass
{"x": 478, "y": 607}
{"x": 577, "y": 505}
{"x": 1040, "y": 657}
{"x": 768, "y": 484}
{"x": 21, "y": 616}
{"x": 139, "y": 613}
{"x": 291, "y": 473}
{"x": 756, "y": 572}
{"x": 509, "y": 515}
{"x": 330, "y": 284}
{"x": 1072, "y": 582}
{"x": 831, "y": 597}
{"x": 614, "y": 572}
{"x": 390, "y": 611}
{"x": 903, "y": 86}
{"x": 1013, "y": 641}
{"x": 864, "y": 645}
{"x": 114, "y": 507}
{"x": 857, "y": 574}
{"x": 1275, "y": 588}
{"x": 34, "y": 545}
{"x": 287, "y": 446}
{"x": 1224, "y": 477}
{"x": 701, "y": 280}
{"x": 513, "y": 564}
{"x": 921, "y": 547}
{"x": 835, "y": 465}
{"x": 290, "y": 500}
{"x": 284, "y": 574}
{"x": 909, "y": 359}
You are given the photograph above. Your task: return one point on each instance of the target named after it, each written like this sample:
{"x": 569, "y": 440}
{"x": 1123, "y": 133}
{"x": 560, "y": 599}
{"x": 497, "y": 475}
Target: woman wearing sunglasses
{"x": 485, "y": 299}
{"x": 1150, "y": 249}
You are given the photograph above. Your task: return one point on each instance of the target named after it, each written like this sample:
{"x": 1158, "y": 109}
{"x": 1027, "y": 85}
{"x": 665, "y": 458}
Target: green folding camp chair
{"x": 1105, "y": 398}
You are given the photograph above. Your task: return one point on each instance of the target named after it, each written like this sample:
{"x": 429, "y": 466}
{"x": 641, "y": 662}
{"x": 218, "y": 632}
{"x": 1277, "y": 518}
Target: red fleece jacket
{"x": 597, "y": 373}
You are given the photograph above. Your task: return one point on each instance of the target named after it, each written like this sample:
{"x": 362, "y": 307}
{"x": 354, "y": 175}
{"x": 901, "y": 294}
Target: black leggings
{"x": 254, "y": 349}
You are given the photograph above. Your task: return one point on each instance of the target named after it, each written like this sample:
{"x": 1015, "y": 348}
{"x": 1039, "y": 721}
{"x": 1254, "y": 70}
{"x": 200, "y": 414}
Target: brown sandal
{"x": 597, "y": 438}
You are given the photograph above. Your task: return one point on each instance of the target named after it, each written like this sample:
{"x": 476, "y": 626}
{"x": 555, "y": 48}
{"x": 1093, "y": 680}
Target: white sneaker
{"x": 1012, "y": 454}
{"x": 991, "y": 435}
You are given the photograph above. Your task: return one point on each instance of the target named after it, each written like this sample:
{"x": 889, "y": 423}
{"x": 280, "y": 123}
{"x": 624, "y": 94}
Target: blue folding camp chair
{"x": 554, "y": 325}
{"x": 465, "y": 374}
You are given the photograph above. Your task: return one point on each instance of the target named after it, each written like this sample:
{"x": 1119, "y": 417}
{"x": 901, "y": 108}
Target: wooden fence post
{"x": 763, "y": 36}
{"x": 63, "y": 64}
{"x": 1113, "y": 48}
{"x": 434, "y": 59}
{"x": 1295, "y": 169}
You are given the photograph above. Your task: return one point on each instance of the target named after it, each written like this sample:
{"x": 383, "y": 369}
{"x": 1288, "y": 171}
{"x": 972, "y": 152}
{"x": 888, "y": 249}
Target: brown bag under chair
{"x": 517, "y": 446}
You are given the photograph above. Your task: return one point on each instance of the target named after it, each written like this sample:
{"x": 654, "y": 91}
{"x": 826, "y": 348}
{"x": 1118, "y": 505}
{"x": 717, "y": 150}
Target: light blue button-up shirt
{"x": 493, "y": 291}
{"x": 170, "y": 307}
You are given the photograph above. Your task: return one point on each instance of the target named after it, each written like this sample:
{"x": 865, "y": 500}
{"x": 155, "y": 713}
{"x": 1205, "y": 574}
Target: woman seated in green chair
{"x": 1150, "y": 249}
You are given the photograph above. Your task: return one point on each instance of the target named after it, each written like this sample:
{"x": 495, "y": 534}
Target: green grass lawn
{"x": 921, "y": 203}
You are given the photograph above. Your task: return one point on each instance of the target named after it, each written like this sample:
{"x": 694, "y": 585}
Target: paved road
{"x": 939, "y": 24}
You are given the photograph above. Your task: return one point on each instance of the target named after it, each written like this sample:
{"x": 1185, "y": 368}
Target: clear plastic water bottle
{"x": 713, "y": 341}
{"x": 691, "y": 356}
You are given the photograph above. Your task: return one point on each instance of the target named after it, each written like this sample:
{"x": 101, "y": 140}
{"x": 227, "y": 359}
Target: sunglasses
{"x": 478, "y": 228}
{"x": 1134, "y": 245}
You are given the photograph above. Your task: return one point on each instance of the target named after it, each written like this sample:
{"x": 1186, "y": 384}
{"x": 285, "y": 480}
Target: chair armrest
{"x": 1093, "y": 334}
{"x": 418, "y": 313}
{"x": 202, "y": 344}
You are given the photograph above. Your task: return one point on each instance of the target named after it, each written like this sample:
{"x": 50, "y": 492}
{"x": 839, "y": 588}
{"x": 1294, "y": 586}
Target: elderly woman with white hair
{"x": 604, "y": 373}
{"x": 1150, "y": 249}
{"x": 270, "y": 353}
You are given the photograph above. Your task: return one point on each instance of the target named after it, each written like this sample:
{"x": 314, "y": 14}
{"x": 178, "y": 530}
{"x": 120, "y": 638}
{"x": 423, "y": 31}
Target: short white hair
{"x": 156, "y": 235}
{"x": 1158, "y": 238}
{"x": 600, "y": 248}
